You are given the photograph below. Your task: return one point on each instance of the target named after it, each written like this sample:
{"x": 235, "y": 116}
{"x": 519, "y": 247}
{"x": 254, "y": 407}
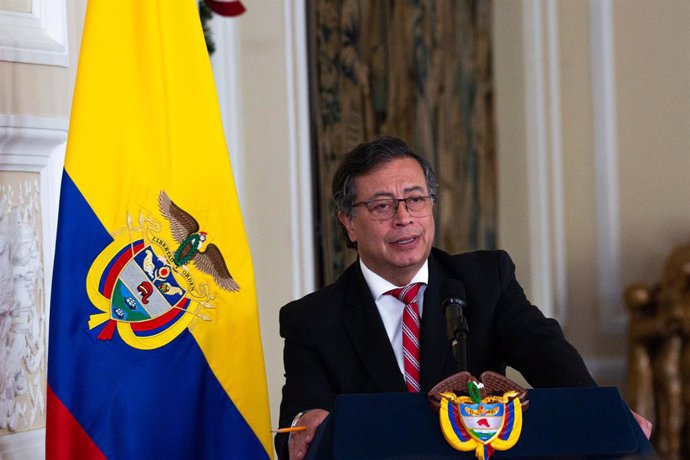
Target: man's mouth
{"x": 405, "y": 241}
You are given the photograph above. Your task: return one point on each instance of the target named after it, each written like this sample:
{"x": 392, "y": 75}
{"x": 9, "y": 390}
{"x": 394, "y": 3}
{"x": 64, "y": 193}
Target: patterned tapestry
{"x": 420, "y": 70}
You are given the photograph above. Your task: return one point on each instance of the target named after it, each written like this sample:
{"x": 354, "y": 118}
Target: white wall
{"x": 593, "y": 104}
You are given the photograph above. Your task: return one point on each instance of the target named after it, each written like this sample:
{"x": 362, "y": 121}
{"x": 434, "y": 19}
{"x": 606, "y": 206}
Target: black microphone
{"x": 456, "y": 324}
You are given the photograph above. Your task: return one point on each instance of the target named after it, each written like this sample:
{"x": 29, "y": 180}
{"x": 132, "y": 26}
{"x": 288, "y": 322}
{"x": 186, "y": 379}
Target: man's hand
{"x": 299, "y": 441}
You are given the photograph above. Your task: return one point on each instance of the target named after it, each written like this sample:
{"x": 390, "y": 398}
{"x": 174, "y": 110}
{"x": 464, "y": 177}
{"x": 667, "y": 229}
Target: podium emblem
{"x": 483, "y": 425}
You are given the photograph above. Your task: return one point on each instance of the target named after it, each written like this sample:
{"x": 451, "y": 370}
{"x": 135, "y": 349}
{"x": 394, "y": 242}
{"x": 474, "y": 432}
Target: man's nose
{"x": 402, "y": 215}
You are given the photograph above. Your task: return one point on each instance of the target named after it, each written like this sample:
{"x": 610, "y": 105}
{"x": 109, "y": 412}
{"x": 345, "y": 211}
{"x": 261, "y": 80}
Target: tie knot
{"x": 407, "y": 294}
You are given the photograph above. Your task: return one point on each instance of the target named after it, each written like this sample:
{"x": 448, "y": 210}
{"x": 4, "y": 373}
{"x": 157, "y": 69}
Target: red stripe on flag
{"x": 65, "y": 438}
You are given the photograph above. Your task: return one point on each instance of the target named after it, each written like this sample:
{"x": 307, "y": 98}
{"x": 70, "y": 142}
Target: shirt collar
{"x": 379, "y": 286}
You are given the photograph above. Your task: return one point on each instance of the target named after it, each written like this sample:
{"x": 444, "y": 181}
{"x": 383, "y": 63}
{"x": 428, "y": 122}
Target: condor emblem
{"x": 483, "y": 425}
{"x": 143, "y": 286}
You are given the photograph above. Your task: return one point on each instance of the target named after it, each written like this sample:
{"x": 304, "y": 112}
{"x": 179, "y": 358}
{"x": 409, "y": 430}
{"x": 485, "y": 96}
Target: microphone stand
{"x": 459, "y": 344}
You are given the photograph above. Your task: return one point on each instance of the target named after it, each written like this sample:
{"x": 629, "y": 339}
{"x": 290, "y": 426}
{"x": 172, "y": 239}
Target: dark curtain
{"x": 420, "y": 70}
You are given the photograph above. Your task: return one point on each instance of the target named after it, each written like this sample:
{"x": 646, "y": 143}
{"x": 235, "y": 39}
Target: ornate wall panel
{"x": 31, "y": 156}
{"x": 22, "y": 304}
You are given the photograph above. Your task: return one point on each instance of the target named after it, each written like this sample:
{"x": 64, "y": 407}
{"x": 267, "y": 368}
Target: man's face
{"x": 395, "y": 248}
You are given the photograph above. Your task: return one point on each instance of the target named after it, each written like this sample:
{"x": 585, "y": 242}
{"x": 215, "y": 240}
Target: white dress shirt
{"x": 390, "y": 308}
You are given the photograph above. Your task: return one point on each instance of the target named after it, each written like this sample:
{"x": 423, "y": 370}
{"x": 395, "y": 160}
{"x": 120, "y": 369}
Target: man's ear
{"x": 348, "y": 223}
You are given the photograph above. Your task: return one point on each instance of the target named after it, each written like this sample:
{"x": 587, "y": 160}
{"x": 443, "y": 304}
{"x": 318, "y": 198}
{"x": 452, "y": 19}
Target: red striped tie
{"x": 410, "y": 336}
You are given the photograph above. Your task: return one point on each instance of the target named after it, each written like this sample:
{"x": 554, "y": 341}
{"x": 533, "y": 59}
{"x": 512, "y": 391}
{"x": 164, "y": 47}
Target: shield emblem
{"x": 482, "y": 421}
{"x": 138, "y": 293}
{"x": 145, "y": 288}
{"x": 494, "y": 423}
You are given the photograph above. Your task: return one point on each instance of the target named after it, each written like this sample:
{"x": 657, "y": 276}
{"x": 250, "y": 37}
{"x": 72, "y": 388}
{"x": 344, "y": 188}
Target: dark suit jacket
{"x": 335, "y": 341}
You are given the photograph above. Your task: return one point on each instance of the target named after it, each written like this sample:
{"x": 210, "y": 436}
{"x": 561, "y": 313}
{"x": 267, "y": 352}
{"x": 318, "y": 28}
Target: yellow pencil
{"x": 291, "y": 429}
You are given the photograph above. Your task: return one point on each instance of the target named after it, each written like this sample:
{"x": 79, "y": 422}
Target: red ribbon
{"x": 226, "y": 8}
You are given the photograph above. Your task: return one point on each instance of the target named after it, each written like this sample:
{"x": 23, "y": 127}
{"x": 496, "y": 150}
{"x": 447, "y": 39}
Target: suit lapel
{"x": 365, "y": 328}
{"x": 435, "y": 349}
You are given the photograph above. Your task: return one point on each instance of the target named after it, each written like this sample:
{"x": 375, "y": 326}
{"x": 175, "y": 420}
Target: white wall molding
{"x": 544, "y": 157}
{"x": 297, "y": 66}
{"x": 613, "y": 317}
{"x": 26, "y": 142}
{"x": 37, "y": 37}
{"x": 224, "y": 61}
{"x": 560, "y": 275}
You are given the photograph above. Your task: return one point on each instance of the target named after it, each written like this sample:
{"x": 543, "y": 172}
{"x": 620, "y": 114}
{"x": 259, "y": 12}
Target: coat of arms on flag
{"x": 143, "y": 285}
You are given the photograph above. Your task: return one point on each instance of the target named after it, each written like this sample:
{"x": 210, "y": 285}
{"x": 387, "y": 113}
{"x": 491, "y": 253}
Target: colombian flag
{"x": 155, "y": 348}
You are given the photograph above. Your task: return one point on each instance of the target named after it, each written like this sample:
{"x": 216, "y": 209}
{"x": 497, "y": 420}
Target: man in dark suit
{"x": 353, "y": 337}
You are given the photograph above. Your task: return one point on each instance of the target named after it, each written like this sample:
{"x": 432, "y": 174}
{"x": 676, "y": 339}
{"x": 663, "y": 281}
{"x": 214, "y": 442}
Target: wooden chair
{"x": 658, "y": 380}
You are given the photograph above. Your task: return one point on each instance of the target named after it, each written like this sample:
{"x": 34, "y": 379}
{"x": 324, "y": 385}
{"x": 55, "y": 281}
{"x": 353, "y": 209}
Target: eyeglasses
{"x": 385, "y": 208}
